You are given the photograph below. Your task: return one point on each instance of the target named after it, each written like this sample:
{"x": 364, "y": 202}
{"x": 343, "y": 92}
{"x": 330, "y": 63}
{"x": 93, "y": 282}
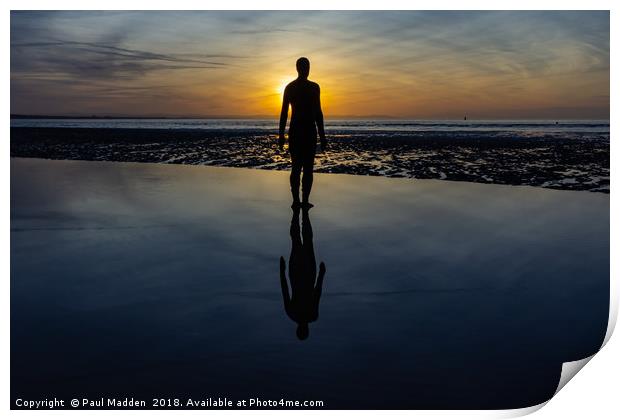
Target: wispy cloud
{"x": 406, "y": 63}
{"x": 261, "y": 31}
{"x": 112, "y": 51}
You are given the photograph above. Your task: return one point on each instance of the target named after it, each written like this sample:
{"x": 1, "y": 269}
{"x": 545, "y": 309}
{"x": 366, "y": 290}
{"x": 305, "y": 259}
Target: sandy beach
{"x": 539, "y": 155}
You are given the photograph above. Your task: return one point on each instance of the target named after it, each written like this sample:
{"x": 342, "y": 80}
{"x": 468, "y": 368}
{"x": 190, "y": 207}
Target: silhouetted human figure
{"x": 302, "y": 304}
{"x": 304, "y": 97}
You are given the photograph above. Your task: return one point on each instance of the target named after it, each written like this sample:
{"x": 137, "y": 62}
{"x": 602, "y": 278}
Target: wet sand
{"x": 551, "y": 161}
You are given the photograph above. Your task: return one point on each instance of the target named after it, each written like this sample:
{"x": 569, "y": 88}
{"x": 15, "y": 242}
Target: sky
{"x": 399, "y": 64}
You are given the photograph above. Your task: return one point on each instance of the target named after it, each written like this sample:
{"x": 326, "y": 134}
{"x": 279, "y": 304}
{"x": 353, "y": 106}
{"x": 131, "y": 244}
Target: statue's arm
{"x": 283, "y": 115}
{"x": 319, "y": 118}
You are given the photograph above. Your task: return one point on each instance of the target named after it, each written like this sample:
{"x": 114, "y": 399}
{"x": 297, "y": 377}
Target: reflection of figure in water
{"x": 304, "y": 97}
{"x": 302, "y": 305}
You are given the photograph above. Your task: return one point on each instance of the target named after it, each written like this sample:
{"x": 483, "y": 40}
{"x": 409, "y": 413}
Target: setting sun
{"x": 282, "y": 86}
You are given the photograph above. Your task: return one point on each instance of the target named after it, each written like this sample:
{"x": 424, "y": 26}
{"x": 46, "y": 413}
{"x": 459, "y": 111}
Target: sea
{"x": 520, "y": 127}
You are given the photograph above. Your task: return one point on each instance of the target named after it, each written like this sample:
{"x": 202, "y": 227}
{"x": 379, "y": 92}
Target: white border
{"x": 592, "y": 395}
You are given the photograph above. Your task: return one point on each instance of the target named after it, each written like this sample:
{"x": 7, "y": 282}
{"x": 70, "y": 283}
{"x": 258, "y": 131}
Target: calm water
{"x": 146, "y": 280}
{"x": 517, "y": 126}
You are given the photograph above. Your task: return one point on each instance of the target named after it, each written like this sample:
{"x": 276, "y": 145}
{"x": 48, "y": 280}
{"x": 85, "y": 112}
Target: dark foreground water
{"x": 567, "y": 155}
{"x": 163, "y": 281}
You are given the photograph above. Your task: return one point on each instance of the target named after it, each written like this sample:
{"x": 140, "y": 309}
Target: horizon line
{"x": 275, "y": 118}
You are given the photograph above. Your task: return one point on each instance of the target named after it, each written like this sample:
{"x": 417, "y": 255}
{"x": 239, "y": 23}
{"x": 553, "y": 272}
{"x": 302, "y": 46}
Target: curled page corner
{"x": 569, "y": 370}
{"x": 613, "y": 315}
{"x": 518, "y": 412}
